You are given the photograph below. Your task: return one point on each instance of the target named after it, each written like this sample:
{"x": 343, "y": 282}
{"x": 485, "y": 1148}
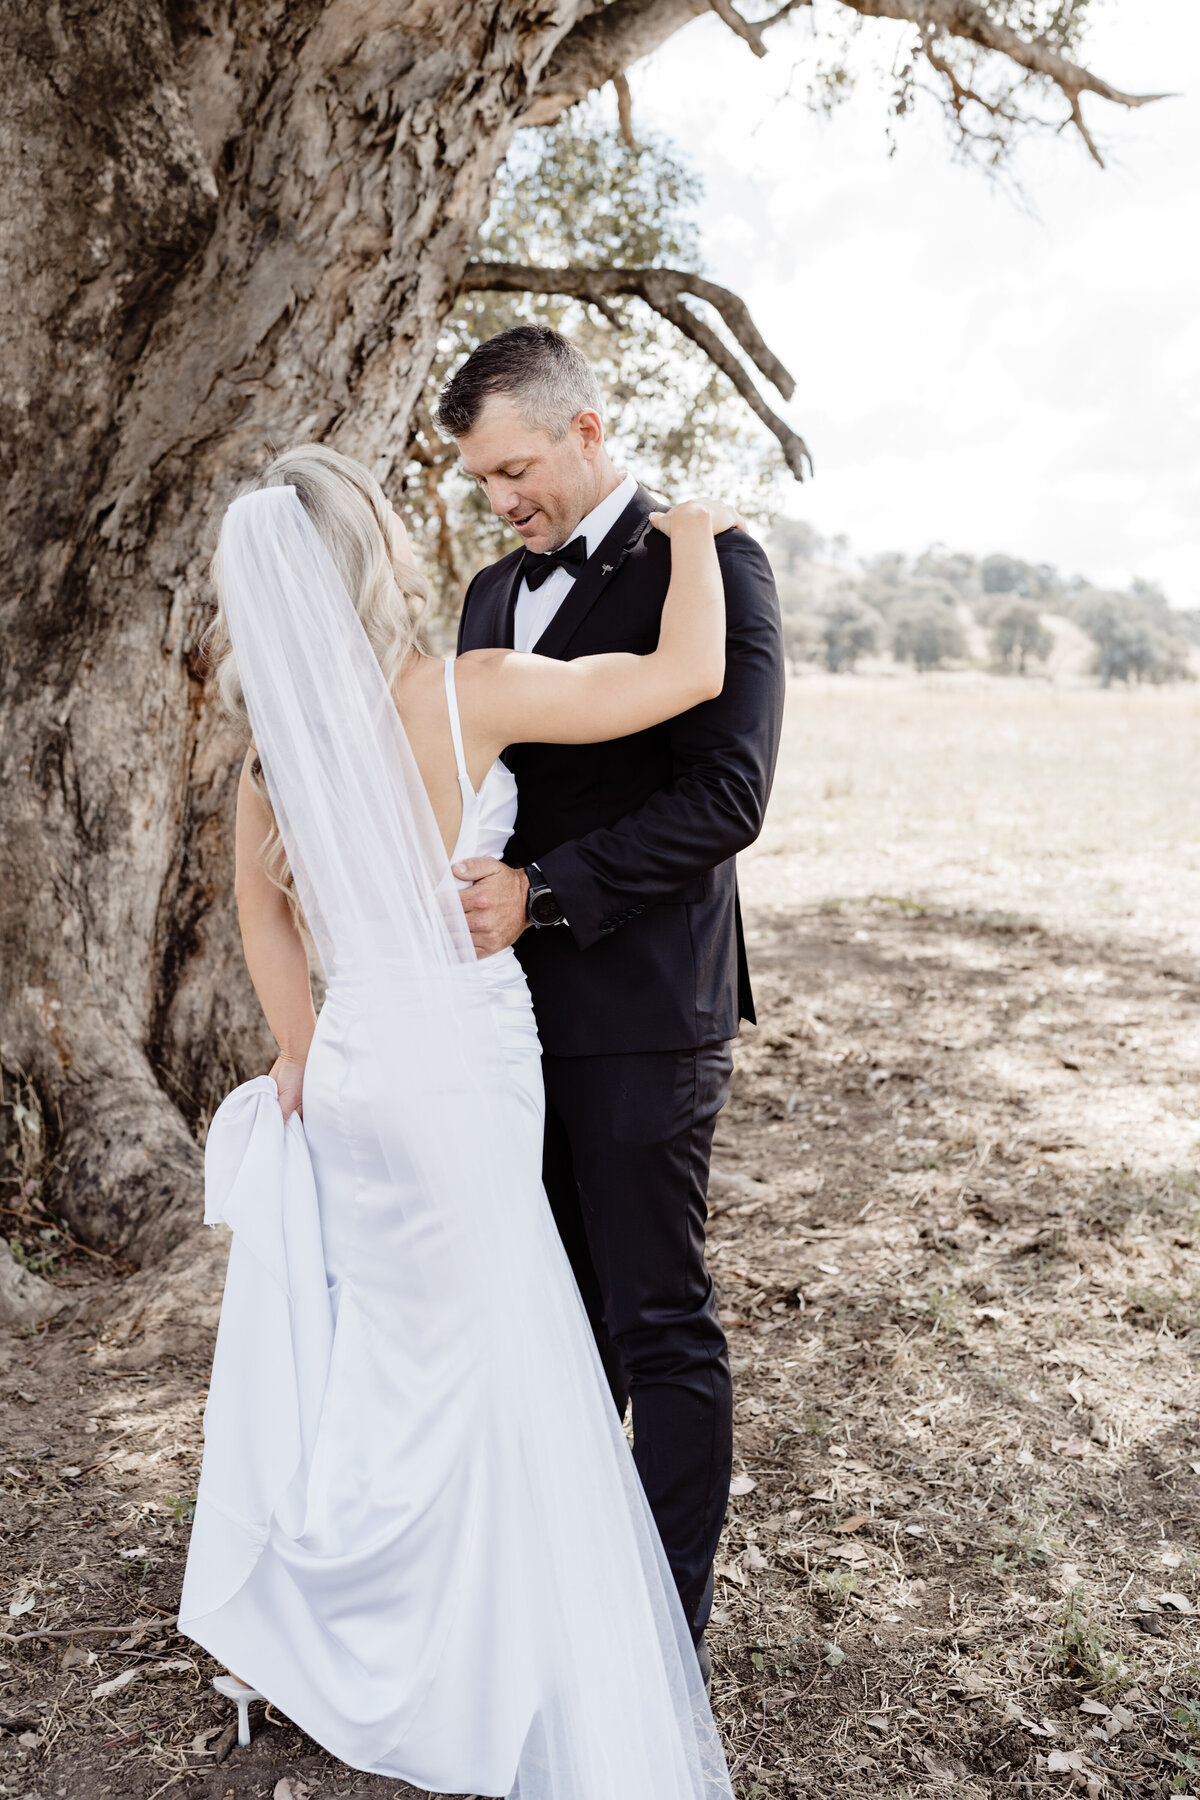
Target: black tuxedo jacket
{"x": 637, "y": 836}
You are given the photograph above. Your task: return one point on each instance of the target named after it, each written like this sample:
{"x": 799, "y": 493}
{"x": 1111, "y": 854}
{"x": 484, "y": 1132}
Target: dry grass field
{"x": 956, "y": 1228}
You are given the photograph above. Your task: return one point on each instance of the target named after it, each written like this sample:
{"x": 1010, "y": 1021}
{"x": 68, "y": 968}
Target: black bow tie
{"x": 535, "y": 568}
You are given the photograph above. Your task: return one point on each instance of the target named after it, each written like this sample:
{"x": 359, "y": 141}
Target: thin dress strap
{"x": 456, "y": 726}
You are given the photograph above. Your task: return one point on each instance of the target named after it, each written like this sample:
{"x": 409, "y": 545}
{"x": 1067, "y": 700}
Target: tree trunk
{"x": 225, "y": 228}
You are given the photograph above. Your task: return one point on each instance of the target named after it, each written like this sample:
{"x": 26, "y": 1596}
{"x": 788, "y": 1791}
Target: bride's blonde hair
{"x": 352, "y": 516}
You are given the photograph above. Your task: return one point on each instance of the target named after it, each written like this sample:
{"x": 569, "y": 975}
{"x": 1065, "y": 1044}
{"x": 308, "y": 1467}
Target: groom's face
{"x": 543, "y": 486}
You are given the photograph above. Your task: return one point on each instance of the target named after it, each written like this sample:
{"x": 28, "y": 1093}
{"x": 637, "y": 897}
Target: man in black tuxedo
{"x": 618, "y": 888}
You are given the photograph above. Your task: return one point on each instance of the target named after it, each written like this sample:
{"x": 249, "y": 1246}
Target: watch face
{"x": 544, "y": 908}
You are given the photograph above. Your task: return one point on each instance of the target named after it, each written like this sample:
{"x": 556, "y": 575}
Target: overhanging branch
{"x": 664, "y": 290}
{"x": 625, "y": 113}
{"x": 611, "y": 39}
{"x": 751, "y": 30}
{"x": 602, "y": 46}
{"x": 971, "y": 21}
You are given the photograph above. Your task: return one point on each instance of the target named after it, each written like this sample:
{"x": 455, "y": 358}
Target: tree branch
{"x": 750, "y": 30}
{"x": 625, "y": 113}
{"x": 609, "y": 40}
{"x": 663, "y": 289}
{"x": 749, "y": 33}
{"x": 971, "y": 21}
{"x": 604, "y": 45}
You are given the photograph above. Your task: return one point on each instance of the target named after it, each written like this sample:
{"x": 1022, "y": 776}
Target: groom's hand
{"x": 494, "y": 903}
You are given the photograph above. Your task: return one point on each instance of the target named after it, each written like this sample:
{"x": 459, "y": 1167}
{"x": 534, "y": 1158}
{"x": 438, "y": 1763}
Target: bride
{"x": 419, "y": 1531}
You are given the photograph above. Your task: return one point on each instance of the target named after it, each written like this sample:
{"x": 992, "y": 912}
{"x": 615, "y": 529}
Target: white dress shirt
{"x": 535, "y": 610}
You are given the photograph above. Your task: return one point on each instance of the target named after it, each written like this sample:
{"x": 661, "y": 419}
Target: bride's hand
{"x": 720, "y": 515}
{"x": 288, "y": 1076}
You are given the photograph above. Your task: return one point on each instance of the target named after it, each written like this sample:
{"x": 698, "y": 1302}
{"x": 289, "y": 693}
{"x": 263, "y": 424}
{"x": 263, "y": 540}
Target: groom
{"x": 618, "y": 888}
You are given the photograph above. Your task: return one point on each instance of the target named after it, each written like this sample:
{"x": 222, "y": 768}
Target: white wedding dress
{"x": 419, "y": 1531}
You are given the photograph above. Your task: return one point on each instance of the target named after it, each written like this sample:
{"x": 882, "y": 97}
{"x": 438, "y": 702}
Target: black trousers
{"x": 628, "y": 1141}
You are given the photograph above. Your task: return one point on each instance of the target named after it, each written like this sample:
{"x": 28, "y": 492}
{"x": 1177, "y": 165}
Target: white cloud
{"x": 967, "y": 370}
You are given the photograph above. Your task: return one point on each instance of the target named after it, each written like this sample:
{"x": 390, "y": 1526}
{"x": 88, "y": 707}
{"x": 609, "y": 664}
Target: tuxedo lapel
{"x": 487, "y": 620}
{"x": 506, "y": 618}
{"x": 593, "y": 578}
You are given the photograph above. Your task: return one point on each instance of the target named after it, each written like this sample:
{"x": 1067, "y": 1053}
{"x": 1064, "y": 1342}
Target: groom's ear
{"x": 590, "y": 427}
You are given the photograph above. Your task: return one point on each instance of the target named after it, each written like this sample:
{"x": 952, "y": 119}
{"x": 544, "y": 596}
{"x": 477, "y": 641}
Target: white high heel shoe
{"x": 241, "y": 1693}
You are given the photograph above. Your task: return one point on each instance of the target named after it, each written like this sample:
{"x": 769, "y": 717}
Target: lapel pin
{"x": 606, "y": 568}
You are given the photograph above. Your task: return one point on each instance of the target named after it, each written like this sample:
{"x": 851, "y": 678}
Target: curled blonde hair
{"x": 353, "y": 518}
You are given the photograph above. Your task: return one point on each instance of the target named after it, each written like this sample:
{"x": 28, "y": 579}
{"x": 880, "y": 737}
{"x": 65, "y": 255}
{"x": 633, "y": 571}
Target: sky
{"x": 972, "y": 368}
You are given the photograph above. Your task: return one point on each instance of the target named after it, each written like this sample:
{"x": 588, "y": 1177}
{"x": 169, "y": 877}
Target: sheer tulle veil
{"x": 447, "y": 1571}
{"x": 349, "y": 802}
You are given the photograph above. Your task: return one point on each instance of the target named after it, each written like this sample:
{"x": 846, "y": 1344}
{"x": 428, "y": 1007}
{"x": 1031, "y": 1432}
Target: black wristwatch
{"x": 541, "y": 908}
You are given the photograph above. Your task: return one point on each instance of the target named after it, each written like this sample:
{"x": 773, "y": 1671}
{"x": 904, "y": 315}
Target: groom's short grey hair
{"x": 547, "y": 379}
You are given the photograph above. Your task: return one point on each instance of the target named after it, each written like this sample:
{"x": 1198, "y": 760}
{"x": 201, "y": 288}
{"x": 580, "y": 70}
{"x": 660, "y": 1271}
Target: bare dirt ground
{"x": 956, "y": 1229}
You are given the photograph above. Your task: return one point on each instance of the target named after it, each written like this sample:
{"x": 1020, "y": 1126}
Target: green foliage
{"x": 1009, "y": 575}
{"x": 794, "y": 543}
{"x": 1017, "y": 634}
{"x": 1029, "y": 1537}
{"x": 952, "y": 570}
{"x": 849, "y": 629}
{"x": 990, "y": 102}
{"x": 835, "y": 1585}
{"x": 37, "y": 1262}
{"x": 575, "y": 193}
{"x": 1137, "y": 637}
{"x": 886, "y": 580}
{"x": 802, "y": 641}
{"x": 927, "y": 633}
{"x": 1080, "y": 1648}
{"x": 947, "y": 1312}
{"x": 1187, "y": 1715}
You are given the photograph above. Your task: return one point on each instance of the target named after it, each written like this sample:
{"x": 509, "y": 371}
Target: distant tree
{"x": 926, "y": 632}
{"x": 802, "y": 637}
{"x": 850, "y": 629}
{"x": 1149, "y": 599}
{"x": 1180, "y": 621}
{"x": 1003, "y": 575}
{"x": 1133, "y": 639}
{"x": 1017, "y": 633}
{"x": 951, "y": 568}
{"x": 1009, "y": 575}
{"x": 886, "y": 574}
{"x": 793, "y": 541}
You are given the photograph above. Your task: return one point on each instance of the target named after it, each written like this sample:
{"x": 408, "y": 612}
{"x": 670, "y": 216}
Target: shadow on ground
{"x": 956, "y": 1232}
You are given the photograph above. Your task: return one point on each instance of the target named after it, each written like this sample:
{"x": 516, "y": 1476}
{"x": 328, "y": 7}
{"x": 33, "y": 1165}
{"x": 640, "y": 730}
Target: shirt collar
{"x": 600, "y": 521}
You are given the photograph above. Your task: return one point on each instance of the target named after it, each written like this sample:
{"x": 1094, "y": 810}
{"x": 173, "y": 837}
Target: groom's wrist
{"x": 541, "y": 907}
